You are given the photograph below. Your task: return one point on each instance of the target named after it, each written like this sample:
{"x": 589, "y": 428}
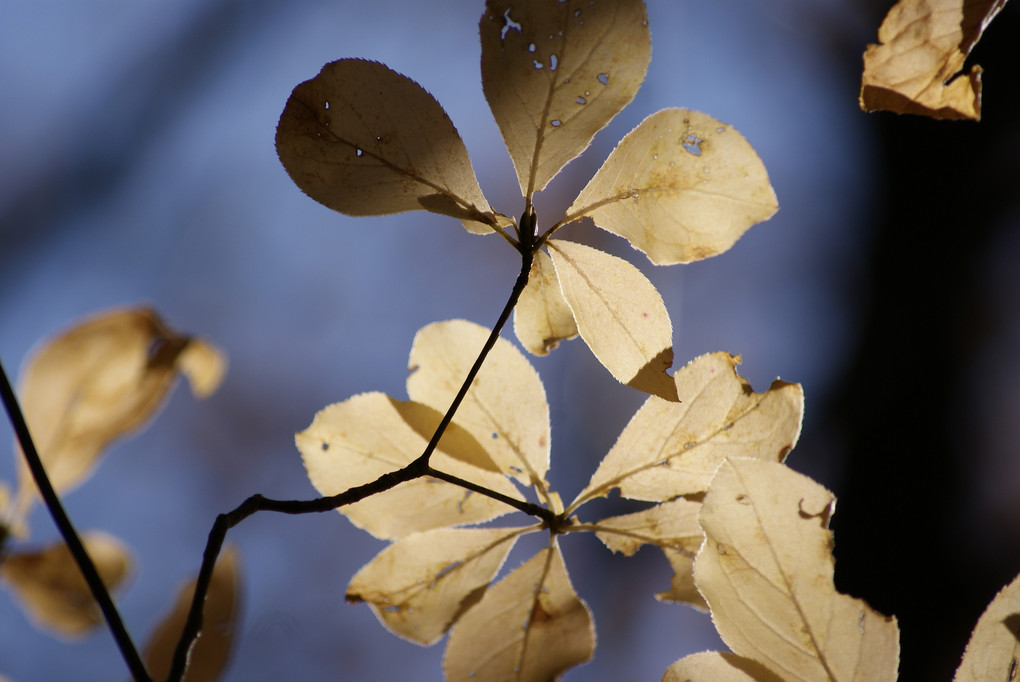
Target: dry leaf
{"x": 505, "y": 409}
{"x": 211, "y": 651}
{"x": 680, "y": 187}
{"x": 669, "y": 449}
{"x": 993, "y": 652}
{"x": 766, "y": 571}
{"x": 102, "y": 379}
{"x": 530, "y": 626}
{"x": 51, "y": 589}
{"x": 365, "y": 140}
{"x": 918, "y": 68}
{"x": 715, "y": 666}
{"x": 542, "y": 317}
{"x": 681, "y": 586}
{"x": 619, "y": 314}
{"x": 356, "y": 441}
{"x": 555, "y": 73}
{"x": 417, "y": 587}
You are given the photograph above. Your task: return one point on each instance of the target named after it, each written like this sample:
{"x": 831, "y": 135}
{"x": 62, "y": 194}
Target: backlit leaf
{"x": 542, "y": 317}
{"x": 211, "y": 651}
{"x": 505, "y": 409}
{"x": 918, "y": 67}
{"x": 680, "y": 187}
{"x": 715, "y": 666}
{"x": 619, "y": 314}
{"x": 365, "y": 140}
{"x": 669, "y": 449}
{"x": 51, "y": 589}
{"x": 529, "y": 627}
{"x": 681, "y": 586}
{"x": 417, "y": 587}
{"x": 555, "y": 73}
{"x": 993, "y": 652}
{"x": 356, "y": 441}
{"x": 766, "y": 571}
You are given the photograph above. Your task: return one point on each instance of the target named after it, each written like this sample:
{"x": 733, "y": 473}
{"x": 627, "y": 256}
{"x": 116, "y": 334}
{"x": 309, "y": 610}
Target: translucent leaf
{"x": 680, "y": 187}
{"x": 211, "y": 651}
{"x": 365, "y": 140}
{"x": 619, "y": 314}
{"x": 715, "y": 666}
{"x": 766, "y": 571}
{"x": 51, "y": 589}
{"x": 993, "y": 652}
{"x": 542, "y": 317}
{"x": 505, "y": 409}
{"x": 417, "y": 587}
{"x": 669, "y": 449}
{"x": 102, "y": 379}
{"x": 530, "y": 626}
{"x": 681, "y": 586}
{"x": 555, "y": 73}
{"x": 918, "y": 67}
{"x": 356, "y": 441}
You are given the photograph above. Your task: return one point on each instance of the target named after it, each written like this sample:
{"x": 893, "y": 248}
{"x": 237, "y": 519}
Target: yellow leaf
{"x": 365, "y": 140}
{"x": 766, "y": 571}
{"x": 619, "y": 315}
{"x": 555, "y": 73}
{"x": 715, "y": 666}
{"x": 669, "y": 449}
{"x": 542, "y": 317}
{"x": 681, "y": 586}
{"x": 680, "y": 187}
{"x": 918, "y": 67}
{"x": 211, "y": 651}
{"x": 505, "y": 409}
{"x": 102, "y": 379}
{"x": 530, "y": 626}
{"x": 51, "y": 589}
{"x": 417, "y": 587}
{"x": 993, "y": 652}
{"x": 356, "y": 441}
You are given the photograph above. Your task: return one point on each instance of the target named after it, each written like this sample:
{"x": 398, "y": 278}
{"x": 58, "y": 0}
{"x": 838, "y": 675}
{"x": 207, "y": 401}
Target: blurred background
{"x": 137, "y": 166}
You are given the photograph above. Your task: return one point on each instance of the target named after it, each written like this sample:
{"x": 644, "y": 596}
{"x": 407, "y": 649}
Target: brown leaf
{"x": 715, "y": 666}
{"x": 51, "y": 589}
{"x": 358, "y": 440}
{"x": 530, "y": 626}
{"x": 555, "y": 73}
{"x": 211, "y": 651}
{"x": 105, "y": 377}
{"x": 505, "y": 409}
{"x": 542, "y": 317}
{"x": 766, "y": 571}
{"x": 365, "y": 140}
{"x": 619, "y": 314}
{"x": 918, "y": 68}
{"x": 993, "y": 652}
{"x": 669, "y": 449}
{"x": 680, "y": 187}
{"x": 417, "y": 587}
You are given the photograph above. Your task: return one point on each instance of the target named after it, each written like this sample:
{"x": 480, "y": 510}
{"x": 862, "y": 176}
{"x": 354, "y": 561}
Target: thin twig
{"x": 530, "y": 508}
{"x": 70, "y": 535}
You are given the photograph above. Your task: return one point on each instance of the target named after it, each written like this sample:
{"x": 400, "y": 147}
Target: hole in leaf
{"x": 554, "y": 61}
{"x": 603, "y": 78}
{"x": 538, "y": 64}
{"x": 508, "y": 24}
{"x": 556, "y": 123}
{"x": 692, "y": 143}
{"x": 359, "y": 152}
{"x": 327, "y": 105}
{"x": 531, "y": 47}
{"x": 582, "y": 100}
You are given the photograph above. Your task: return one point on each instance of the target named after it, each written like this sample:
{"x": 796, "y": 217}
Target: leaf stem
{"x": 70, "y": 535}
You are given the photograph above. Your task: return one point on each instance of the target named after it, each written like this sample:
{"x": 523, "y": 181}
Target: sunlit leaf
{"x": 715, "y": 666}
{"x": 417, "y": 587}
{"x": 918, "y": 67}
{"x": 365, "y": 140}
{"x": 105, "y": 377}
{"x": 681, "y": 585}
{"x": 530, "y": 626}
{"x": 766, "y": 571}
{"x": 993, "y": 652}
{"x": 542, "y": 317}
{"x": 555, "y": 73}
{"x": 356, "y": 441}
{"x": 211, "y": 651}
{"x": 619, "y": 314}
{"x": 50, "y": 588}
{"x": 505, "y": 409}
{"x": 680, "y": 187}
{"x": 669, "y": 449}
